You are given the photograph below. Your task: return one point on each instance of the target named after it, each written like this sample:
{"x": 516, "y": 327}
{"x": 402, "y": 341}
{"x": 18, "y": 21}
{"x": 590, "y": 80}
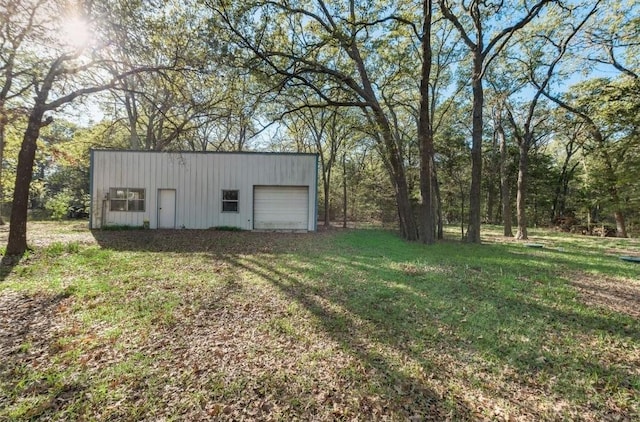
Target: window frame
{"x": 236, "y": 201}
{"x": 128, "y": 198}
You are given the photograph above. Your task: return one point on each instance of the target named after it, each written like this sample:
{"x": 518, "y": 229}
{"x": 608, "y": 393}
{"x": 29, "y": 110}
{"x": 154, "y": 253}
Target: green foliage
{"x": 58, "y": 205}
{"x": 184, "y": 107}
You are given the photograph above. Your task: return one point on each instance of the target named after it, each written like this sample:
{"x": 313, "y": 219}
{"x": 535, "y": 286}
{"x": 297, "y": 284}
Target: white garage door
{"x": 280, "y": 207}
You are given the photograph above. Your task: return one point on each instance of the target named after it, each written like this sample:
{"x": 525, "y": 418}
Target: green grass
{"x": 336, "y": 325}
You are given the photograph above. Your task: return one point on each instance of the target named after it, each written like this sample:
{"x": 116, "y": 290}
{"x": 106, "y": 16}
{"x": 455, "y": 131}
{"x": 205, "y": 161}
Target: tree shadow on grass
{"x": 211, "y": 241}
{"x": 516, "y": 329}
{"x": 492, "y": 309}
{"x": 409, "y": 395}
{"x": 609, "y": 295}
{"x": 7, "y": 264}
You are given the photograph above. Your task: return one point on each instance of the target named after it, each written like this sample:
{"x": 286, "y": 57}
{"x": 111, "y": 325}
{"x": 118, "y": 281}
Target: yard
{"x": 340, "y": 324}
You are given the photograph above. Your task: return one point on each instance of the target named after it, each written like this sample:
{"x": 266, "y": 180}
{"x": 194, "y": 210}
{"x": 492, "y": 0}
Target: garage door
{"x": 280, "y": 207}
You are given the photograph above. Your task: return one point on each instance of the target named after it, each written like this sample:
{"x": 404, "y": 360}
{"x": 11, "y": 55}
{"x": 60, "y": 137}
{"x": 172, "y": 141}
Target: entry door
{"x": 166, "y": 208}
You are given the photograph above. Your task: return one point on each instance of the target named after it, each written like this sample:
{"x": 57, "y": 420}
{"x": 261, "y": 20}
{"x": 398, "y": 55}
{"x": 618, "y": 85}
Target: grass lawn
{"x": 346, "y": 325}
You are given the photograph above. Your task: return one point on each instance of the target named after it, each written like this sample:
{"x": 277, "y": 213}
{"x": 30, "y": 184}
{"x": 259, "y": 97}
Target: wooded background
{"x": 423, "y": 113}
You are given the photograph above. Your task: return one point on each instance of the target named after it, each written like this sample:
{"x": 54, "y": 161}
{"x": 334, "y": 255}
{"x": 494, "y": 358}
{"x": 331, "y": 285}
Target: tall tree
{"x": 505, "y": 186}
{"x": 17, "y": 21}
{"x": 71, "y": 66}
{"x": 473, "y": 22}
{"x": 603, "y": 143}
{"x": 328, "y": 50}
{"x": 327, "y": 130}
{"x": 571, "y": 136}
{"x": 425, "y": 129}
{"x": 541, "y": 72}
{"x": 169, "y": 109}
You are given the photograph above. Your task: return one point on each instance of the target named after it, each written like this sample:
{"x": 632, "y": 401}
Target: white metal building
{"x": 200, "y": 190}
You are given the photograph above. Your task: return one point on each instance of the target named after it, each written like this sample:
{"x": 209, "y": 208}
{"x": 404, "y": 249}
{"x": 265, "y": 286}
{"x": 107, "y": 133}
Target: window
{"x": 229, "y": 201}
{"x": 126, "y": 199}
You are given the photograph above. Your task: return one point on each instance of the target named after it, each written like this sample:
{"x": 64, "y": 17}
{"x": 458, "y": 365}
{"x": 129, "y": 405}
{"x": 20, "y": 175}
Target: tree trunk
{"x": 408, "y": 228}
{"x": 407, "y": 221}
{"x": 523, "y": 164}
{"x": 132, "y": 115}
{"x": 438, "y": 204}
{"x": 491, "y": 200}
{"x": 344, "y": 191}
{"x": 473, "y": 230}
{"x": 557, "y": 209}
{"x": 461, "y": 211}
{"x": 611, "y": 181}
{"x": 326, "y": 178}
{"x": 491, "y": 182}
{"x": 3, "y": 124}
{"x": 17, "y": 244}
{"x": 505, "y": 189}
{"x": 621, "y": 228}
{"x": 425, "y": 135}
{"x": 610, "y": 177}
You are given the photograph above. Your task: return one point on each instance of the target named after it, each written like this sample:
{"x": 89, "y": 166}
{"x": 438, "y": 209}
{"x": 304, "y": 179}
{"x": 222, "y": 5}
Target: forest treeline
{"x": 423, "y": 113}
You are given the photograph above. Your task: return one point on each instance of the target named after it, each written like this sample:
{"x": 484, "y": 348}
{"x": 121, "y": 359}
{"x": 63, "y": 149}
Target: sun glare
{"x": 76, "y": 32}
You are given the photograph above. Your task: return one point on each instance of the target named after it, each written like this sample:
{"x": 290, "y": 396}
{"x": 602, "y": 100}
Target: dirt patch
{"x": 614, "y": 294}
{"x": 44, "y": 233}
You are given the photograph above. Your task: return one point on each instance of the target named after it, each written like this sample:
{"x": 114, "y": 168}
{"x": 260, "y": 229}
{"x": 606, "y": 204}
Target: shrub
{"x": 227, "y": 228}
{"x": 58, "y": 205}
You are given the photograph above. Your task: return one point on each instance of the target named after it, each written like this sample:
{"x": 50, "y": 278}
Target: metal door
{"x": 166, "y": 208}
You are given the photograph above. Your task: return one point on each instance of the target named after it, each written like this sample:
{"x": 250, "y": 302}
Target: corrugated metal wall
{"x": 198, "y": 179}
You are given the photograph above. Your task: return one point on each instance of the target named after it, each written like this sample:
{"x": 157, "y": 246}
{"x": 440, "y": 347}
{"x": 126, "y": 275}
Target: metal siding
{"x": 188, "y": 185}
{"x": 199, "y": 179}
{"x": 314, "y": 221}
{"x": 154, "y": 174}
{"x": 184, "y": 192}
{"x": 196, "y": 213}
{"x": 194, "y": 187}
{"x": 212, "y": 194}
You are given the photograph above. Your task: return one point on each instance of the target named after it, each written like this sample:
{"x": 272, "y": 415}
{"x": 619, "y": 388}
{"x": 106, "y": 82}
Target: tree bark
{"x": 621, "y": 228}
{"x": 505, "y": 189}
{"x": 17, "y": 244}
{"x": 491, "y": 181}
{"x": 523, "y": 163}
{"x": 438, "y": 204}
{"x": 395, "y": 168}
{"x": 132, "y": 115}
{"x": 326, "y": 178}
{"x": 425, "y": 135}
{"x": 344, "y": 191}
{"x": 408, "y": 227}
{"x": 3, "y": 124}
{"x": 614, "y": 194}
{"x": 495, "y": 43}
{"x": 473, "y": 229}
